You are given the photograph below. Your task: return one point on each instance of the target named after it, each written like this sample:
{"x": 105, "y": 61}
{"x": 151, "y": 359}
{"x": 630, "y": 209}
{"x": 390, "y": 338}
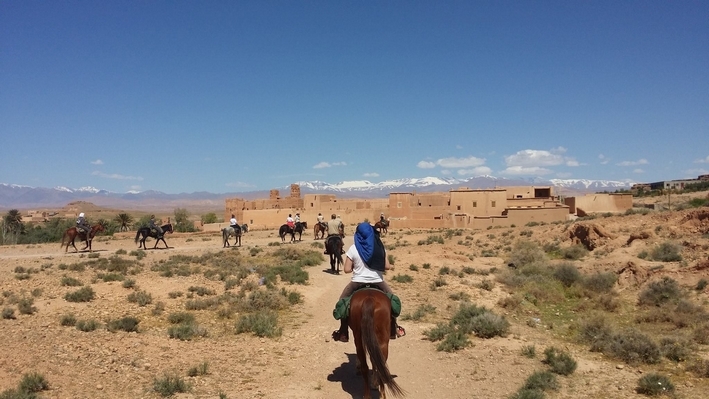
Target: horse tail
{"x": 64, "y": 236}
{"x": 371, "y": 345}
{"x": 137, "y": 236}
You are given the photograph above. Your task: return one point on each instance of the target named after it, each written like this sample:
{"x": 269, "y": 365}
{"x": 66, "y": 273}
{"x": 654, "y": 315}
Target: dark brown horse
{"x": 319, "y": 230}
{"x": 147, "y": 232}
{"x": 370, "y": 321}
{"x": 72, "y": 233}
{"x": 285, "y": 229}
{"x": 382, "y": 227}
{"x": 334, "y": 245}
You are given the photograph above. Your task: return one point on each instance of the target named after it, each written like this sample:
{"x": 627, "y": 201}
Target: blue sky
{"x": 233, "y": 96}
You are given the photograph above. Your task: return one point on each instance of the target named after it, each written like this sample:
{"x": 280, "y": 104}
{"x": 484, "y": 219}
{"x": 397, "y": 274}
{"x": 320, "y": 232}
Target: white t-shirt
{"x": 361, "y": 273}
{"x": 233, "y": 221}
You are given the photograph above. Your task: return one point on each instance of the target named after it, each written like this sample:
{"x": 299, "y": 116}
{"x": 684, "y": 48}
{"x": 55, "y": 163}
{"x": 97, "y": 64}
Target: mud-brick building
{"x": 476, "y": 208}
{"x": 273, "y": 211}
{"x": 459, "y": 208}
{"x": 599, "y": 203}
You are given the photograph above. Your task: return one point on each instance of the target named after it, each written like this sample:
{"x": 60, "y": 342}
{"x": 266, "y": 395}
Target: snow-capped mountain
{"x": 595, "y": 185}
{"x": 23, "y": 197}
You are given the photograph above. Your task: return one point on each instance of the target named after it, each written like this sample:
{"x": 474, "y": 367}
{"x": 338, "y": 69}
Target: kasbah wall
{"x": 458, "y": 208}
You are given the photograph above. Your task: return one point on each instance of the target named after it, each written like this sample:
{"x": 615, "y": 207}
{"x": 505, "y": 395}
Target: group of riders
{"x": 366, "y": 259}
{"x": 82, "y": 225}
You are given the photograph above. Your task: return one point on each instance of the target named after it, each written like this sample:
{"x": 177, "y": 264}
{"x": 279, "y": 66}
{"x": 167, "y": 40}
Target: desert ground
{"x": 303, "y": 362}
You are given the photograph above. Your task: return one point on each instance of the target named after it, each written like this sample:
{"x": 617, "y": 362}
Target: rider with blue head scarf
{"x": 366, "y": 260}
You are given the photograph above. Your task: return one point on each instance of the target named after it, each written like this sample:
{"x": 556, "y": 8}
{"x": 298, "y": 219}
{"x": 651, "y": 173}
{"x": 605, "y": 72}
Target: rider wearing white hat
{"x": 82, "y": 224}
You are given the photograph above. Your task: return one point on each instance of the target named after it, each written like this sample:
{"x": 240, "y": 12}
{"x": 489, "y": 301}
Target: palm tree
{"x": 124, "y": 220}
{"x": 12, "y": 224}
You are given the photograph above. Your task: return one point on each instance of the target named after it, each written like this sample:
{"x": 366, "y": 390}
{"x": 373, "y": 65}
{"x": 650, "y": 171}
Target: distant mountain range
{"x": 26, "y": 197}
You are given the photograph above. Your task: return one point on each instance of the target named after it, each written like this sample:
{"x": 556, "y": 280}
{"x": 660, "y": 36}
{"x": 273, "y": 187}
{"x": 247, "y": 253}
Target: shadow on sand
{"x": 352, "y": 383}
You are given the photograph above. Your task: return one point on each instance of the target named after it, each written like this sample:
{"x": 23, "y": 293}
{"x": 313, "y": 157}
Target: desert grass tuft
{"x": 654, "y": 384}
{"x": 8, "y": 314}
{"x": 87, "y": 325}
{"x": 559, "y": 362}
{"x": 127, "y": 324}
{"x": 142, "y": 298}
{"x": 170, "y": 384}
{"x": 261, "y": 324}
{"x": 200, "y": 369}
{"x": 84, "y": 294}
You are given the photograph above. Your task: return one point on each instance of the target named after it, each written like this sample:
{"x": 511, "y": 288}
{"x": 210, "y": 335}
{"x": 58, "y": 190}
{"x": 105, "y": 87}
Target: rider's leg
{"x": 343, "y": 334}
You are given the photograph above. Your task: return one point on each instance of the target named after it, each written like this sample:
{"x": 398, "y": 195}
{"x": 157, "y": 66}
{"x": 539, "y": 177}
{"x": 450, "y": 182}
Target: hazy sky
{"x": 229, "y": 96}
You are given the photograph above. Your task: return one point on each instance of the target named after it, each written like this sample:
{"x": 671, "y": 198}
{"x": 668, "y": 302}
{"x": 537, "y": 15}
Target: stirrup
{"x": 400, "y": 332}
{"x": 338, "y": 336}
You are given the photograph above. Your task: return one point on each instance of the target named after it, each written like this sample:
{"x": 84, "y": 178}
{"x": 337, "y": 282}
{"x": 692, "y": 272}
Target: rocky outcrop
{"x": 590, "y": 235}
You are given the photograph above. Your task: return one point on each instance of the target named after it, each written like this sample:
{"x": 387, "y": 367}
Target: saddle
{"x": 342, "y": 307}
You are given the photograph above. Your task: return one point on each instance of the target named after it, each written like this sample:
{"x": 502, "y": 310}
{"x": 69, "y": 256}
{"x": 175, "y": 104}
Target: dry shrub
{"x": 660, "y": 292}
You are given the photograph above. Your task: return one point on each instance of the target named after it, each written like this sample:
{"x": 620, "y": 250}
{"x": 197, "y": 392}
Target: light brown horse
{"x": 370, "y": 321}
{"x": 319, "y": 230}
{"x": 72, "y": 233}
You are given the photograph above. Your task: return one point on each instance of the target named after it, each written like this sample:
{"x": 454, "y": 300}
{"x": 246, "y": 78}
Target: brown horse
{"x": 319, "y": 230}
{"x": 72, "y": 233}
{"x": 381, "y": 226}
{"x": 370, "y": 321}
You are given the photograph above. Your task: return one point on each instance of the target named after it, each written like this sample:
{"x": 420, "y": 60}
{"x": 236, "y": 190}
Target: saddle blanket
{"x": 342, "y": 308}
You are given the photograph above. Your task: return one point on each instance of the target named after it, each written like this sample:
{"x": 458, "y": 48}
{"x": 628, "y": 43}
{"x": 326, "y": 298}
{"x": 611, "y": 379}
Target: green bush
{"x": 33, "y": 382}
{"x": 600, "y": 282}
{"x": 84, "y": 294}
{"x": 26, "y": 306}
{"x": 486, "y": 284}
{"x": 541, "y": 381}
{"x": 186, "y": 331}
{"x": 667, "y": 252}
{"x": 701, "y": 284}
{"x": 633, "y": 347}
{"x": 201, "y": 291}
{"x": 700, "y": 334}
{"x": 87, "y": 325}
{"x": 525, "y": 253}
{"x": 142, "y": 298}
{"x": 420, "y": 312}
{"x": 488, "y": 325}
{"x": 403, "y": 278}
{"x": 200, "y": 369}
{"x": 655, "y": 384}
{"x": 574, "y": 252}
{"x": 71, "y": 282}
{"x": 262, "y": 324}
{"x": 170, "y": 384}
{"x": 181, "y": 318}
{"x": 127, "y": 324}
{"x": 481, "y": 321}
{"x": 700, "y": 367}
{"x": 454, "y": 341}
{"x": 68, "y": 320}
{"x": 8, "y": 314}
{"x": 529, "y": 351}
{"x": 559, "y": 362}
{"x": 677, "y": 351}
{"x": 525, "y": 393}
{"x": 660, "y": 292}
{"x": 567, "y": 274}
{"x": 438, "y": 332}
{"x": 108, "y": 277}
